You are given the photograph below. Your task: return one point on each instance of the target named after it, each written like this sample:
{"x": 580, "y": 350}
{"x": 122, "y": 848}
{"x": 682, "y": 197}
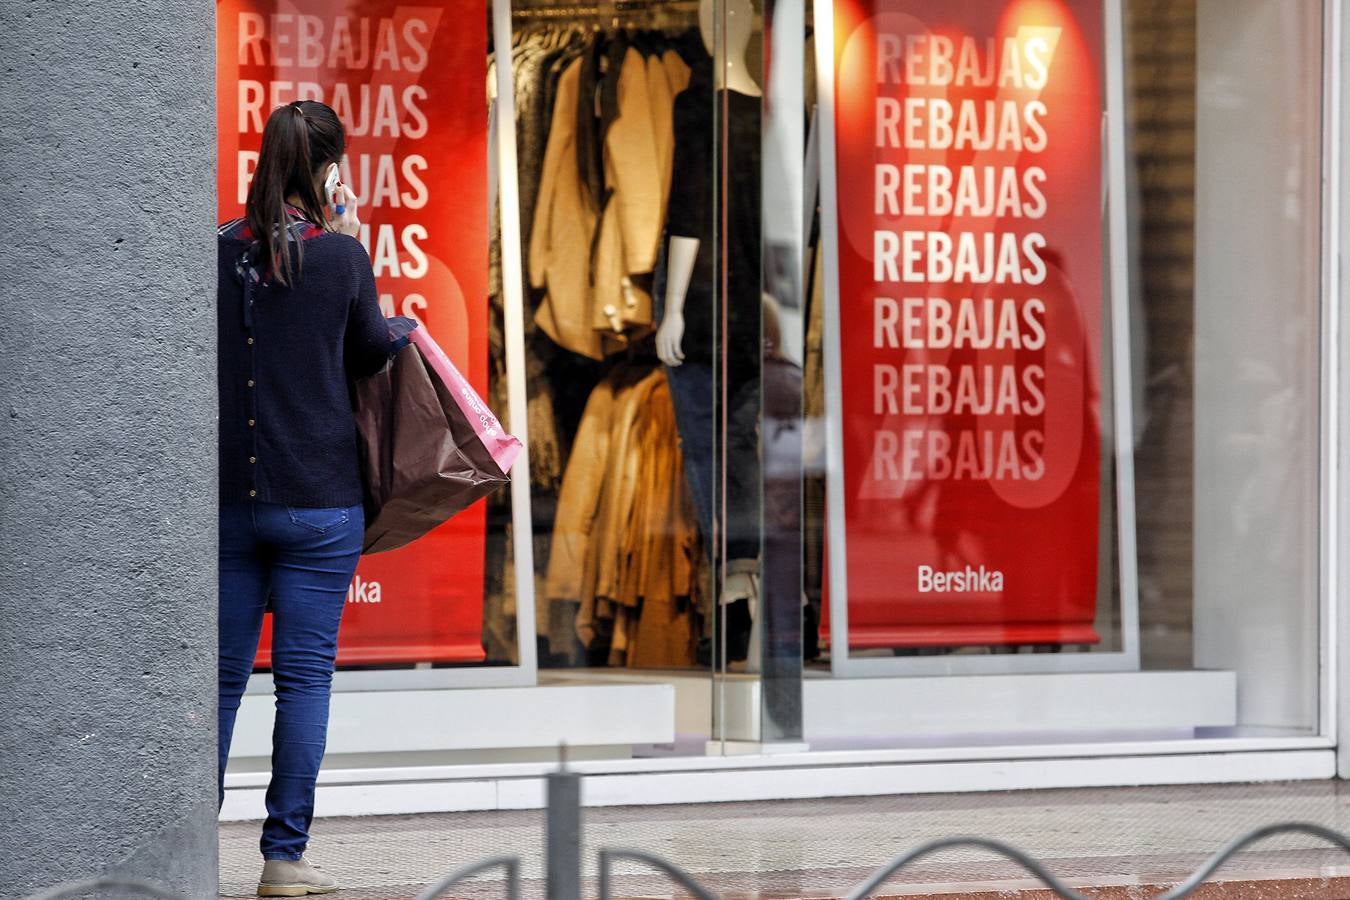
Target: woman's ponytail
{"x": 299, "y": 140}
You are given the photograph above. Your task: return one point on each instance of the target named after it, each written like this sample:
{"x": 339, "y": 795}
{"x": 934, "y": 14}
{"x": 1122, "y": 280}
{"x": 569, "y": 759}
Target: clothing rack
{"x": 613, "y": 9}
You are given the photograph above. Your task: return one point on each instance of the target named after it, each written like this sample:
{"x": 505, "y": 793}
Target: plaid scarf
{"x": 246, "y": 267}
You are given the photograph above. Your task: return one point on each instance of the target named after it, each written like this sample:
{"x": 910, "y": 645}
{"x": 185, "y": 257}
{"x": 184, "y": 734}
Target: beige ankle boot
{"x": 293, "y": 878}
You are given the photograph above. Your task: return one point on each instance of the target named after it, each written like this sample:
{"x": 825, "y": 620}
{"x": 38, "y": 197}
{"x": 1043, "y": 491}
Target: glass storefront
{"x": 1228, "y": 293}
{"x": 895, "y": 375}
{"x": 1058, "y": 465}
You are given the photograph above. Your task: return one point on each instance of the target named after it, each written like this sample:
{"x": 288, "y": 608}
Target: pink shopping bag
{"x": 430, "y": 446}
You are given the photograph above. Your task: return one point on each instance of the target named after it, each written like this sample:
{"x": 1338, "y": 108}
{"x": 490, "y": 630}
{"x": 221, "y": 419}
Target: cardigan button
{"x": 250, "y": 423}
{"x": 250, "y": 342}
{"x": 253, "y": 460}
{"x": 250, "y": 382}
{"x": 253, "y": 493}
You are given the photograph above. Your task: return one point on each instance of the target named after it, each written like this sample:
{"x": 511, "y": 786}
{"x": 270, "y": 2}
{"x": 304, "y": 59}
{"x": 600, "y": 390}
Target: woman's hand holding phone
{"x": 345, "y": 222}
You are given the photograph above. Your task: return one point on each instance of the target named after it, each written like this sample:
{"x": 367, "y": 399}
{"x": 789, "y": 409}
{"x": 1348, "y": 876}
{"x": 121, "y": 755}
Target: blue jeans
{"x": 691, "y": 393}
{"x": 696, "y": 406}
{"x": 304, "y": 559}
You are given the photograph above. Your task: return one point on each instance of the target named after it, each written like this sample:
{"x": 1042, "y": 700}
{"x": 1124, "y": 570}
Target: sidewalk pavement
{"x": 1120, "y": 843}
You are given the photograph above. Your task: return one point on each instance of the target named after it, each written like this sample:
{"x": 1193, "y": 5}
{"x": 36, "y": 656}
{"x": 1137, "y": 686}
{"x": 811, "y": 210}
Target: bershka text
{"x": 963, "y": 581}
{"x": 362, "y": 591}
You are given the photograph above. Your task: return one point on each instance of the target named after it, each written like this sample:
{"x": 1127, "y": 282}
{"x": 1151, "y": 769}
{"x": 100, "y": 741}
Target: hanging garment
{"x": 577, "y": 102}
{"x": 532, "y": 75}
{"x": 565, "y": 217}
{"x": 625, "y": 543}
{"x": 662, "y": 630}
{"x": 638, "y": 158}
{"x": 579, "y": 499}
{"x": 631, "y": 217}
{"x": 534, "y": 62}
{"x": 667, "y": 76}
{"x": 606, "y": 180}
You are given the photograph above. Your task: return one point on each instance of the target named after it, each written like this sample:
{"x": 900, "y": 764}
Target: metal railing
{"x": 679, "y": 876}
{"x": 1032, "y": 865}
{"x": 510, "y": 863}
{"x": 563, "y": 842}
{"x": 1026, "y": 861}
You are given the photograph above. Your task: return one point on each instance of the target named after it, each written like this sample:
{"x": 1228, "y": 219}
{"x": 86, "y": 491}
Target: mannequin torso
{"x": 682, "y": 250}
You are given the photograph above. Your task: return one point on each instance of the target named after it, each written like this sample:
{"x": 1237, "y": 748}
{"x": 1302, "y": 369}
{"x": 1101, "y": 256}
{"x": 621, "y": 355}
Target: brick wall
{"x": 1161, "y": 48}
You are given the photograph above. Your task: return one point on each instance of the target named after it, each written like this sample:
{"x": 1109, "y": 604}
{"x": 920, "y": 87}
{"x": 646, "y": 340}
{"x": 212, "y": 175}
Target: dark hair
{"x": 300, "y": 140}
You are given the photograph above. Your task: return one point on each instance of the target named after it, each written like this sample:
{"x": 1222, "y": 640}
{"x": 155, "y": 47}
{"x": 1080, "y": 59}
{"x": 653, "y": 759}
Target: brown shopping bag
{"x": 430, "y": 447}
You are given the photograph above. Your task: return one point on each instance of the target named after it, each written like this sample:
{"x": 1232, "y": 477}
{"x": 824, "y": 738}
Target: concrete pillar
{"x": 107, "y": 443}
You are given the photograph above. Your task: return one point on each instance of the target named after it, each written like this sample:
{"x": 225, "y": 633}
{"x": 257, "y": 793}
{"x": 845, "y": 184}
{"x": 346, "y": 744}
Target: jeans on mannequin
{"x": 692, "y": 393}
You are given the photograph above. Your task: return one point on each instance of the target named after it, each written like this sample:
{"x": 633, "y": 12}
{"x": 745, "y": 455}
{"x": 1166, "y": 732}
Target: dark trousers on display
{"x": 304, "y": 560}
{"x": 691, "y": 392}
{"x": 696, "y": 404}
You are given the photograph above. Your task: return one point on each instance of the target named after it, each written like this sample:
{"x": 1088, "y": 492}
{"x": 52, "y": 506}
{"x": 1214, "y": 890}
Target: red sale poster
{"x": 970, "y": 267}
{"x": 401, "y": 79}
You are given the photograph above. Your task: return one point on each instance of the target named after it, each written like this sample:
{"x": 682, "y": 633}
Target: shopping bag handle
{"x": 400, "y": 332}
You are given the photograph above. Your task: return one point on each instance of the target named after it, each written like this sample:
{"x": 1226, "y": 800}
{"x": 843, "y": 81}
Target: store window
{"x": 616, "y": 191}
{"x": 547, "y": 198}
{"x": 1228, "y": 363}
{"x": 935, "y": 372}
{"x": 1075, "y": 314}
{"x": 418, "y": 155}
{"x": 642, "y": 129}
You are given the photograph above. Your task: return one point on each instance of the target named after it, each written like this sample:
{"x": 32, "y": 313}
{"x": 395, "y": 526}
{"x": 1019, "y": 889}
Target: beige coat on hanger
{"x": 593, "y": 306}
{"x": 564, "y": 220}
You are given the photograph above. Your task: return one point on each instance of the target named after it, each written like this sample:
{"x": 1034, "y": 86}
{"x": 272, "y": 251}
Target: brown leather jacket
{"x": 625, "y": 542}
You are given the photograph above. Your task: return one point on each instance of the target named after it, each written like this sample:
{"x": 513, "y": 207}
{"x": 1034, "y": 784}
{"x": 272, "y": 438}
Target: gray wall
{"x": 107, "y": 442}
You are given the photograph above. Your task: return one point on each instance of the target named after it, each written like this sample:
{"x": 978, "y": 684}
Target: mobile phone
{"x": 330, "y": 186}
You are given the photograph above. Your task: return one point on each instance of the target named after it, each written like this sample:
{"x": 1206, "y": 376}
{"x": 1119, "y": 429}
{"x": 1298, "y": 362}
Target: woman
{"x": 298, "y": 318}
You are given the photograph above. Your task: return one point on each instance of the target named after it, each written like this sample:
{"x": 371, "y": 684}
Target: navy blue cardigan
{"x": 286, "y": 359}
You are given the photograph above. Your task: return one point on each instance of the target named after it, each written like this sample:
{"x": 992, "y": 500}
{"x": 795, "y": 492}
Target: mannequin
{"x": 740, "y": 22}
{"x": 733, "y": 75}
{"x": 691, "y": 317}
